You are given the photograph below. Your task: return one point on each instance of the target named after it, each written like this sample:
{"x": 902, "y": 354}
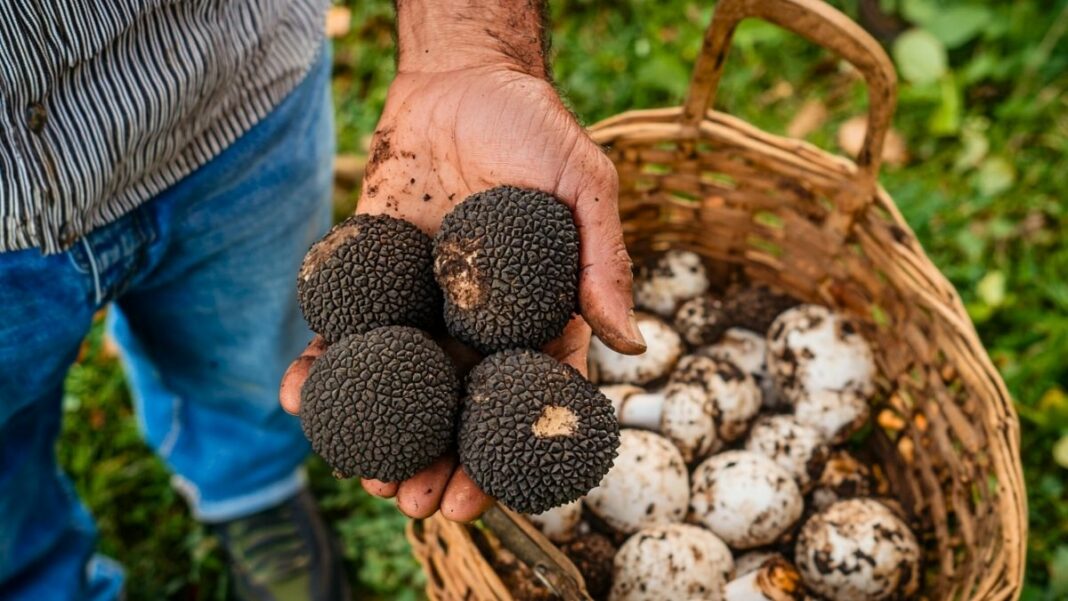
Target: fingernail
{"x": 633, "y": 334}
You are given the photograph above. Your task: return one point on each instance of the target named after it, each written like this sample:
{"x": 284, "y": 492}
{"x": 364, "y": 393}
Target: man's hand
{"x": 470, "y": 109}
{"x": 444, "y": 136}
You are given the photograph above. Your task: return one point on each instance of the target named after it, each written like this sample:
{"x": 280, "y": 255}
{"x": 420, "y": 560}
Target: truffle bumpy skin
{"x": 534, "y": 433}
{"x": 507, "y": 260}
{"x": 369, "y": 271}
{"x": 382, "y": 404}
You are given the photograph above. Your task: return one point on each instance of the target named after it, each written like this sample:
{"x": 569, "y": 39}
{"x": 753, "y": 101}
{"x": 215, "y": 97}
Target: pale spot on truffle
{"x": 456, "y": 266}
{"x": 555, "y": 421}
{"x": 325, "y": 248}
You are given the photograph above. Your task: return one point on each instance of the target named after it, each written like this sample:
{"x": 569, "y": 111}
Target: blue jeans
{"x": 202, "y": 286}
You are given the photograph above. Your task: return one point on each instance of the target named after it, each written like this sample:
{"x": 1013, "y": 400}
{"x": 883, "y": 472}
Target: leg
{"x": 208, "y": 331}
{"x": 46, "y": 535}
{"x": 208, "y": 328}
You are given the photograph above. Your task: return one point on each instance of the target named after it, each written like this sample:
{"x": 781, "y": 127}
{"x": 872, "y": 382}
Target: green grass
{"x": 984, "y": 189}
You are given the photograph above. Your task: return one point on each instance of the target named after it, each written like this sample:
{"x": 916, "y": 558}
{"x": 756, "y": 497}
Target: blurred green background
{"x": 979, "y": 169}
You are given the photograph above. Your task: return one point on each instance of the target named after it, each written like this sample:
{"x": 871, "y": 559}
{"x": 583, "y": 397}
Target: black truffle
{"x": 381, "y": 405}
{"x": 507, "y": 260}
{"x": 701, "y": 321}
{"x": 534, "y": 433}
{"x": 369, "y": 271}
{"x": 592, "y": 555}
{"x": 755, "y": 307}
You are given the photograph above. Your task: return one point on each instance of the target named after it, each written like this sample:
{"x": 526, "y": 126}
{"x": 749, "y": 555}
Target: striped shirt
{"x": 105, "y": 103}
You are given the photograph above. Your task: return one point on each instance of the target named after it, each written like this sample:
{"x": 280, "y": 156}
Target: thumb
{"x": 605, "y": 281}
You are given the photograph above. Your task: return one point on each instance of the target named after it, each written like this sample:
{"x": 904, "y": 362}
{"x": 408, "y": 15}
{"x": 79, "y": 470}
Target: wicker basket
{"x": 782, "y": 212}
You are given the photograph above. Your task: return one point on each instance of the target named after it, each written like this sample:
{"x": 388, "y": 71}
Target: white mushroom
{"x": 734, "y": 394}
{"x": 747, "y": 350}
{"x": 843, "y": 477}
{"x": 701, "y": 320}
{"x": 663, "y": 349}
{"x": 559, "y": 524}
{"x": 619, "y": 393}
{"x": 812, "y": 349}
{"x": 744, "y": 498}
{"x": 646, "y": 486}
{"x": 775, "y": 580}
{"x": 797, "y": 448}
{"x": 688, "y": 419}
{"x": 751, "y": 561}
{"x": 670, "y": 563}
{"x": 681, "y": 413}
{"x": 668, "y": 279}
{"x": 705, "y": 401}
{"x": 835, "y": 415}
{"x": 858, "y": 550}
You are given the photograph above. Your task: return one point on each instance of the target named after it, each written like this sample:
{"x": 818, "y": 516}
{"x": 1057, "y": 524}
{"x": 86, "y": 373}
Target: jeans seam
{"x": 97, "y": 294}
{"x": 166, "y": 446}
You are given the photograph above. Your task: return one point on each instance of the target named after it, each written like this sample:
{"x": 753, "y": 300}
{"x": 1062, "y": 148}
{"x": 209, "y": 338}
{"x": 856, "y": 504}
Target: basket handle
{"x": 820, "y": 24}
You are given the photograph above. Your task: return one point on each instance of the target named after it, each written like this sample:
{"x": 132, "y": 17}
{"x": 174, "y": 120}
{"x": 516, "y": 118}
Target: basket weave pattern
{"x": 780, "y": 211}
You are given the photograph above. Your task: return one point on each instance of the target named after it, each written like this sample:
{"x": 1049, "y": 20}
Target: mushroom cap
{"x": 734, "y": 394}
{"x": 671, "y": 562}
{"x": 701, "y": 320}
{"x": 648, "y": 484}
{"x": 688, "y": 419}
{"x": 744, "y": 348}
{"x": 843, "y": 477}
{"x": 797, "y": 448}
{"x": 748, "y": 350}
{"x": 835, "y": 415}
{"x": 858, "y": 550}
{"x": 812, "y": 349}
{"x": 744, "y": 498}
{"x": 560, "y": 523}
{"x": 663, "y": 349}
{"x": 667, "y": 279}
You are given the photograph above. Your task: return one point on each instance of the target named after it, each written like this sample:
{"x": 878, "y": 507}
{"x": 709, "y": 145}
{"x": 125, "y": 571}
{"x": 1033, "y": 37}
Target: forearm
{"x": 447, "y": 35}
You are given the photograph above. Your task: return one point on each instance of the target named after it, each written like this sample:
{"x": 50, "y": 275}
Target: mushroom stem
{"x": 641, "y": 411}
{"x": 635, "y": 407}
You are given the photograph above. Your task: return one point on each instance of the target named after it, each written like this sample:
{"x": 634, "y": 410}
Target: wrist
{"x": 449, "y": 35}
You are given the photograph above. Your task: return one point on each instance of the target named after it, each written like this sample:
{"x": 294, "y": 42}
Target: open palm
{"x": 446, "y": 135}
